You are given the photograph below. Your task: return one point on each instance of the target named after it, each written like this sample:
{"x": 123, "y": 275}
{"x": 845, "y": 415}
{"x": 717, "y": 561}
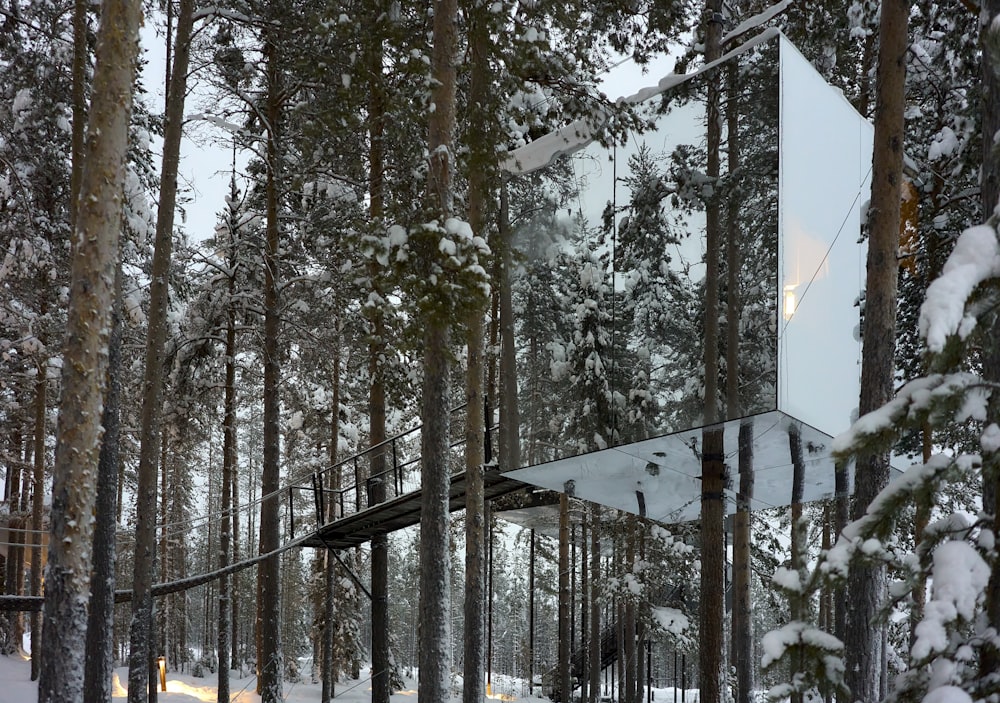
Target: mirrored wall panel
{"x": 659, "y": 478}
{"x": 610, "y": 279}
{"x": 826, "y": 157}
{"x": 612, "y": 272}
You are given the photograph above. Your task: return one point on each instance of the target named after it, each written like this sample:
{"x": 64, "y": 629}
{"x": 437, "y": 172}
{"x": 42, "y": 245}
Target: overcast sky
{"x": 205, "y": 165}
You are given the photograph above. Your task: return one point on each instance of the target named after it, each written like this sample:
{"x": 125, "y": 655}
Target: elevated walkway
{"x": 402, "y": 511}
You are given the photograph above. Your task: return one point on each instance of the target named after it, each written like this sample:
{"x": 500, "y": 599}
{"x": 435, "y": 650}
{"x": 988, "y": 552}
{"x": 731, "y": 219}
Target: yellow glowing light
{"x": 209, "y": 694}
{"x": 498, "y": 696}
{"x": 161, "y": 662}
{"x": 789, "y": 302}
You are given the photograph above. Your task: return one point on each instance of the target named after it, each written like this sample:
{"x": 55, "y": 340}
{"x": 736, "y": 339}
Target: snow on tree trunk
{"x": 481, "y": 167}
{"x": 435, "y": 567}
{"x": 94, "y": 249}
{"x": 866, "y": 584}
{"x": 100, "y": 626}
{"x": 149, "y": 438}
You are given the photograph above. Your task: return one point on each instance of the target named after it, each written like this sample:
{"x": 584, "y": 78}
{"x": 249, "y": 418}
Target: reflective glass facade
{"x": 609, "y": 287}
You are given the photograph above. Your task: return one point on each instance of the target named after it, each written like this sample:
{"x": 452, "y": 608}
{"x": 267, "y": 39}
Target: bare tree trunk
{"x": 628, "y": 627}
{"x": 330, "y": 569}
{"x": 100, "y": 626}
{"x": 742, "y": 603}
{"x": 228, "y": 473}
{"x": 510, "y": 430}
{"x": 797, "y": 530}
{"x": 585, "y": 641}
{"x": 712, "y": 610}
{"x": 234, "y": 617}
{"x": 435, "y": 568}
{"x": 381, "y": 657}
{"x": 742, "y": 613}
{"x": 481, "y": 167}
{"x": 269, "y": 663}
{"x": 595, "y": 603}
{"x": 867, "y": 585}
{"x": 565, "y": 644}
{"x": 94, "y": 255}
{"x": 145, "y": 529}
{"x": 37, "y": 509}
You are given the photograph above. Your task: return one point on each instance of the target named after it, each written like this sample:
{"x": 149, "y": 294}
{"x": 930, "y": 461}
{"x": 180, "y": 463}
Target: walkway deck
{"x": 395, "y": 514}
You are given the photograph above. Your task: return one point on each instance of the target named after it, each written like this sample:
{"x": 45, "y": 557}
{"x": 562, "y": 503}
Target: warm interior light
{"x": 162, "y": 663}
{"x": 788, "y": 304}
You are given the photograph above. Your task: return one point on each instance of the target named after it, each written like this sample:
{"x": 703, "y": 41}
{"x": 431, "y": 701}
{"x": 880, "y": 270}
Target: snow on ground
{"x": 16, "y": 687}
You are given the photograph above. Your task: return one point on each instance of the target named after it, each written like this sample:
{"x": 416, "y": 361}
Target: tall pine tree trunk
{"x": 565, "y": 645}
{"x": 94, "y": 253}
{"x": 330, "y": 568}
{"x": 145, "y": 529}
{"x": 101, "y": 616}
{"x": 595, "y": 603}
{"x": 269, "y": 663}
{"x": 37, "y": 509}
{"x": 381, "y": 675}
{"x": 510, "y": 424}
{"x": 228, "y": 472}
{"x": 481, "y": 166}
{"x": 712, "y": 610}
{"x": 867, "y": 584}
{"x": 435, "y": 567}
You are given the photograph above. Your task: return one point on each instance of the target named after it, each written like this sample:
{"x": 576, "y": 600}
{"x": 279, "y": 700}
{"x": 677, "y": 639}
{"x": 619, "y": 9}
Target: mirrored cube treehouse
{"x": 609, "y": 288}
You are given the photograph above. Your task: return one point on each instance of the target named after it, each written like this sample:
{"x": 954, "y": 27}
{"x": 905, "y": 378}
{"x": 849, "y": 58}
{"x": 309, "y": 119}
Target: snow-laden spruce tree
{"x": 957, "y": 556}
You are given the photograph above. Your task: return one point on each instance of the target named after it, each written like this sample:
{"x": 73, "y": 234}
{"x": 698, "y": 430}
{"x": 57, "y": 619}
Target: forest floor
{"x": 16, "y": 687}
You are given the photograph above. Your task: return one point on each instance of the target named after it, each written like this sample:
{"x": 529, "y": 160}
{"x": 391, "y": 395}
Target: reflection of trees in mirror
{"x": 609, "y": 305}
{"x": 537, "y": 202}
{"x": 655, "y": 301}
{"x": 749, "y": 190}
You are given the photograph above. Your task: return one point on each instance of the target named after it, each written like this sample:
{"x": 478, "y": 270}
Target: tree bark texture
{"x": 595, "y": 603}
{"x": 140, "y": 637}
{"x": 100, "y": 626}
{"x": 435, "y": 570}
{"x": 228, "y": 475}
{"x": 867, "y": 584}
{"x": 510, "y": 431}
{"x": 269, "y": 665}
{"x": 742, "y": 603}
{"x": 94, "y": 251}
{"x": 565, "y": 644}
{"x": 381, "y": 679}
{"x": 480, "y": 168}
{"x": 990, "y": 40}
{"x": 37, "y": 509}
{"x": 711, "y": 614}
{"x": 330, "y": 569}
{"x": 628, "y": 627}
